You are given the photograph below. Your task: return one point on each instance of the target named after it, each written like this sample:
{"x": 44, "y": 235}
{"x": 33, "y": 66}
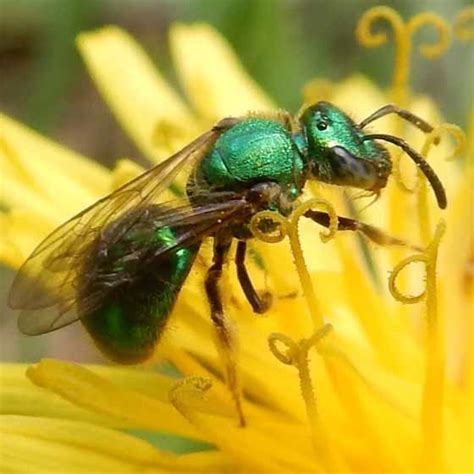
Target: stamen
{"x": 392, "y": 281}
{"x": 187, "y": 390}
{"x": 433, "y": 389}
{"x": 269, "y": 216}
{"x": 296, "y": 354}
{"x": 435, "y": 136}
{"x": 296, "y": 249}
{"x": 286, "y": 357}
{"x": 461, "y": 24}
{"x": 397, "y": 174}
{"x": 290, "y": 228}
{"x": 403, "y": 33}
{"x": 422, "y": 201}
{"x": 422, "y": 164}
{"x": 437, "y": 48}
{"x": 311, "y": 204}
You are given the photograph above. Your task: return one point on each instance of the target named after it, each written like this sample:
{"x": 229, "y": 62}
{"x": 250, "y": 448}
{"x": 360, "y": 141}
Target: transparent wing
{"x": 190, "y": 225}
{"x": 48, "y": 277}
{"x": 40, "y": 321}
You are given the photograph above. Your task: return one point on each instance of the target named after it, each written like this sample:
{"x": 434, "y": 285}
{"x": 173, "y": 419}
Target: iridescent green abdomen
{"x": 127, "y": 294}
{"x": 255, "y": 150}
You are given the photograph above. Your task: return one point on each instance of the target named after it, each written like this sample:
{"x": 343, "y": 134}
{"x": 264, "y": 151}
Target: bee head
{"x": 337, "y": 152}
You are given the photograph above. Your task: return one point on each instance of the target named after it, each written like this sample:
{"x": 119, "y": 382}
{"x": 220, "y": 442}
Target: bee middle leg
{"x": 260, "y": 303}
{"x": 226, "y": 337}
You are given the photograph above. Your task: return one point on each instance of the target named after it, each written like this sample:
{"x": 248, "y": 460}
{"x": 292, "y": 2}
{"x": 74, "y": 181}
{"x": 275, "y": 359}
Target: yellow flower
{"x": 381, "y": 386}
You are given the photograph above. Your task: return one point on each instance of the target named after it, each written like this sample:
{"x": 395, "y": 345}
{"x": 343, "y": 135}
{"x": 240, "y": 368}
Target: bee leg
{"x": 345, "y": 223}
{"x": 260, "y": 304}
{"x": 226, "y": 338}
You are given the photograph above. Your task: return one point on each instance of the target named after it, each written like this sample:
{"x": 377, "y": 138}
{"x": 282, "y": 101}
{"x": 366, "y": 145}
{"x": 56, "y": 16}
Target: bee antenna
{"x": 427, "y": 170}
{"x": 418, "y": 122}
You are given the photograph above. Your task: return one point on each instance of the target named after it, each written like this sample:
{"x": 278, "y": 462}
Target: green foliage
{"x": 283, "y": 44}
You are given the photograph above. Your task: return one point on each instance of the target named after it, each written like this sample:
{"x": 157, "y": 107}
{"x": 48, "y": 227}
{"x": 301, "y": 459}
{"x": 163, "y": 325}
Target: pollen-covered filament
{"x": 289, "y": 227}
{"x": 431, "y": 138}
{"x": 433, "y": 390}
{"x": 187, "y": 391}
{"x": 403, "y": 36}
{"x": 392, "y": 285}
{"x": 289, "y": 352}
{"x": 461, "y": 27}
{"x": 295, "y": 353}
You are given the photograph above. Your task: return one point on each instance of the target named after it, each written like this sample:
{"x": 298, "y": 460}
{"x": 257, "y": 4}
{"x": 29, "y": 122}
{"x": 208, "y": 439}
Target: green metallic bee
{"x": 118, "y": 266}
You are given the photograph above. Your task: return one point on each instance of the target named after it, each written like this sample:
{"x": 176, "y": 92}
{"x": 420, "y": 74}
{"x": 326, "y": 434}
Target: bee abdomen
{"x": 132, "y": 298}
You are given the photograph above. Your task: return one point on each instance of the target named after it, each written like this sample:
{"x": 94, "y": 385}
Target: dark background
{"x": 282, "y": 43}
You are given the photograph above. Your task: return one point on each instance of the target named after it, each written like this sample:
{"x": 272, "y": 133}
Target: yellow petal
{"x": 214, "y": 80}
{"x": 88, "y": 390}
{"x": 135, "y": 91}
{"x": 262, "y": 446}
{"x": 64, "y": 178}
{"x": 21, "y": 232}
{"x": 20, "y": 397}
{"x": 31, "y": 444}
{"x": 16, "y": 195}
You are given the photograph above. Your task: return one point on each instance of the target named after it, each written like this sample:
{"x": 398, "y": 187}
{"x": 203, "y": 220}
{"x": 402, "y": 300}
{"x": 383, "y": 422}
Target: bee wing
{"x": 190, "y": 226}
{"x": 48, "y": 277}
{"x": 42, "y": 320}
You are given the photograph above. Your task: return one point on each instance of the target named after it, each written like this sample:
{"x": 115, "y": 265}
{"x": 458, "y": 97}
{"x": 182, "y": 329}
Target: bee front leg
{"x": 226, "y": 337}
{"x": 346, "y": 223}
{"x": 260, "y": 303}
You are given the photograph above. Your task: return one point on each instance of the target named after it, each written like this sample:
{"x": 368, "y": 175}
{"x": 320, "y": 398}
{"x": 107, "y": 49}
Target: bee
{"x": 118, "y": 266}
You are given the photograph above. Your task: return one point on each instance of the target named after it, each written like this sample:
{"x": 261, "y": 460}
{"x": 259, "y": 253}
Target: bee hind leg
{"x": 226, "y": 337}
